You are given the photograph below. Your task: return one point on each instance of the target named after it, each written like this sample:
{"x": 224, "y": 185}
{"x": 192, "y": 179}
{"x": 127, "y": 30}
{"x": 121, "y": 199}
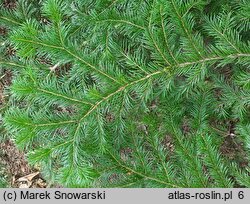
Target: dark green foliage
{"x": 130, "y": 93}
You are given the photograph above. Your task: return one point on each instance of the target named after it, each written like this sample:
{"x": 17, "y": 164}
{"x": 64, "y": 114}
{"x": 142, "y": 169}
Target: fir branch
{"x": 71, "y": 53}
{"x": 166, "y": 65}
{"x": 165, "y": 36}
{"x": 185, "y": 29}
{"x": 141, "y": 174}
{"x": 64, "y": 96}
{"x": 12, "y": 64}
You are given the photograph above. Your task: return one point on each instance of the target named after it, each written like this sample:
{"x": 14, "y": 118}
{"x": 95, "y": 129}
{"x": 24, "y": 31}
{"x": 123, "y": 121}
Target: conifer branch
{"x": 185, "y": 29}
{"x": 46, "y": 124}
{"x": 137, "y": 65}
{"x": 71, "y": 53}
{"x": 12, "y": 64}
{"x": 64, "y": 97}
{"x": 227, "y": 40}
{"x": 166, "y": 38}
{"x": 122, "y": 21}
{"x": 133, "y": 101}
{"x": 157, "y": 48}
{"x": 141, "y": 174}
{"x": 216, "y": 165}
{"x": 10, "y": 20}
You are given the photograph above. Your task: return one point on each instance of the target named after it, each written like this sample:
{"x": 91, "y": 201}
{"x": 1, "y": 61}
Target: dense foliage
{"x": 131, "y": 93}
